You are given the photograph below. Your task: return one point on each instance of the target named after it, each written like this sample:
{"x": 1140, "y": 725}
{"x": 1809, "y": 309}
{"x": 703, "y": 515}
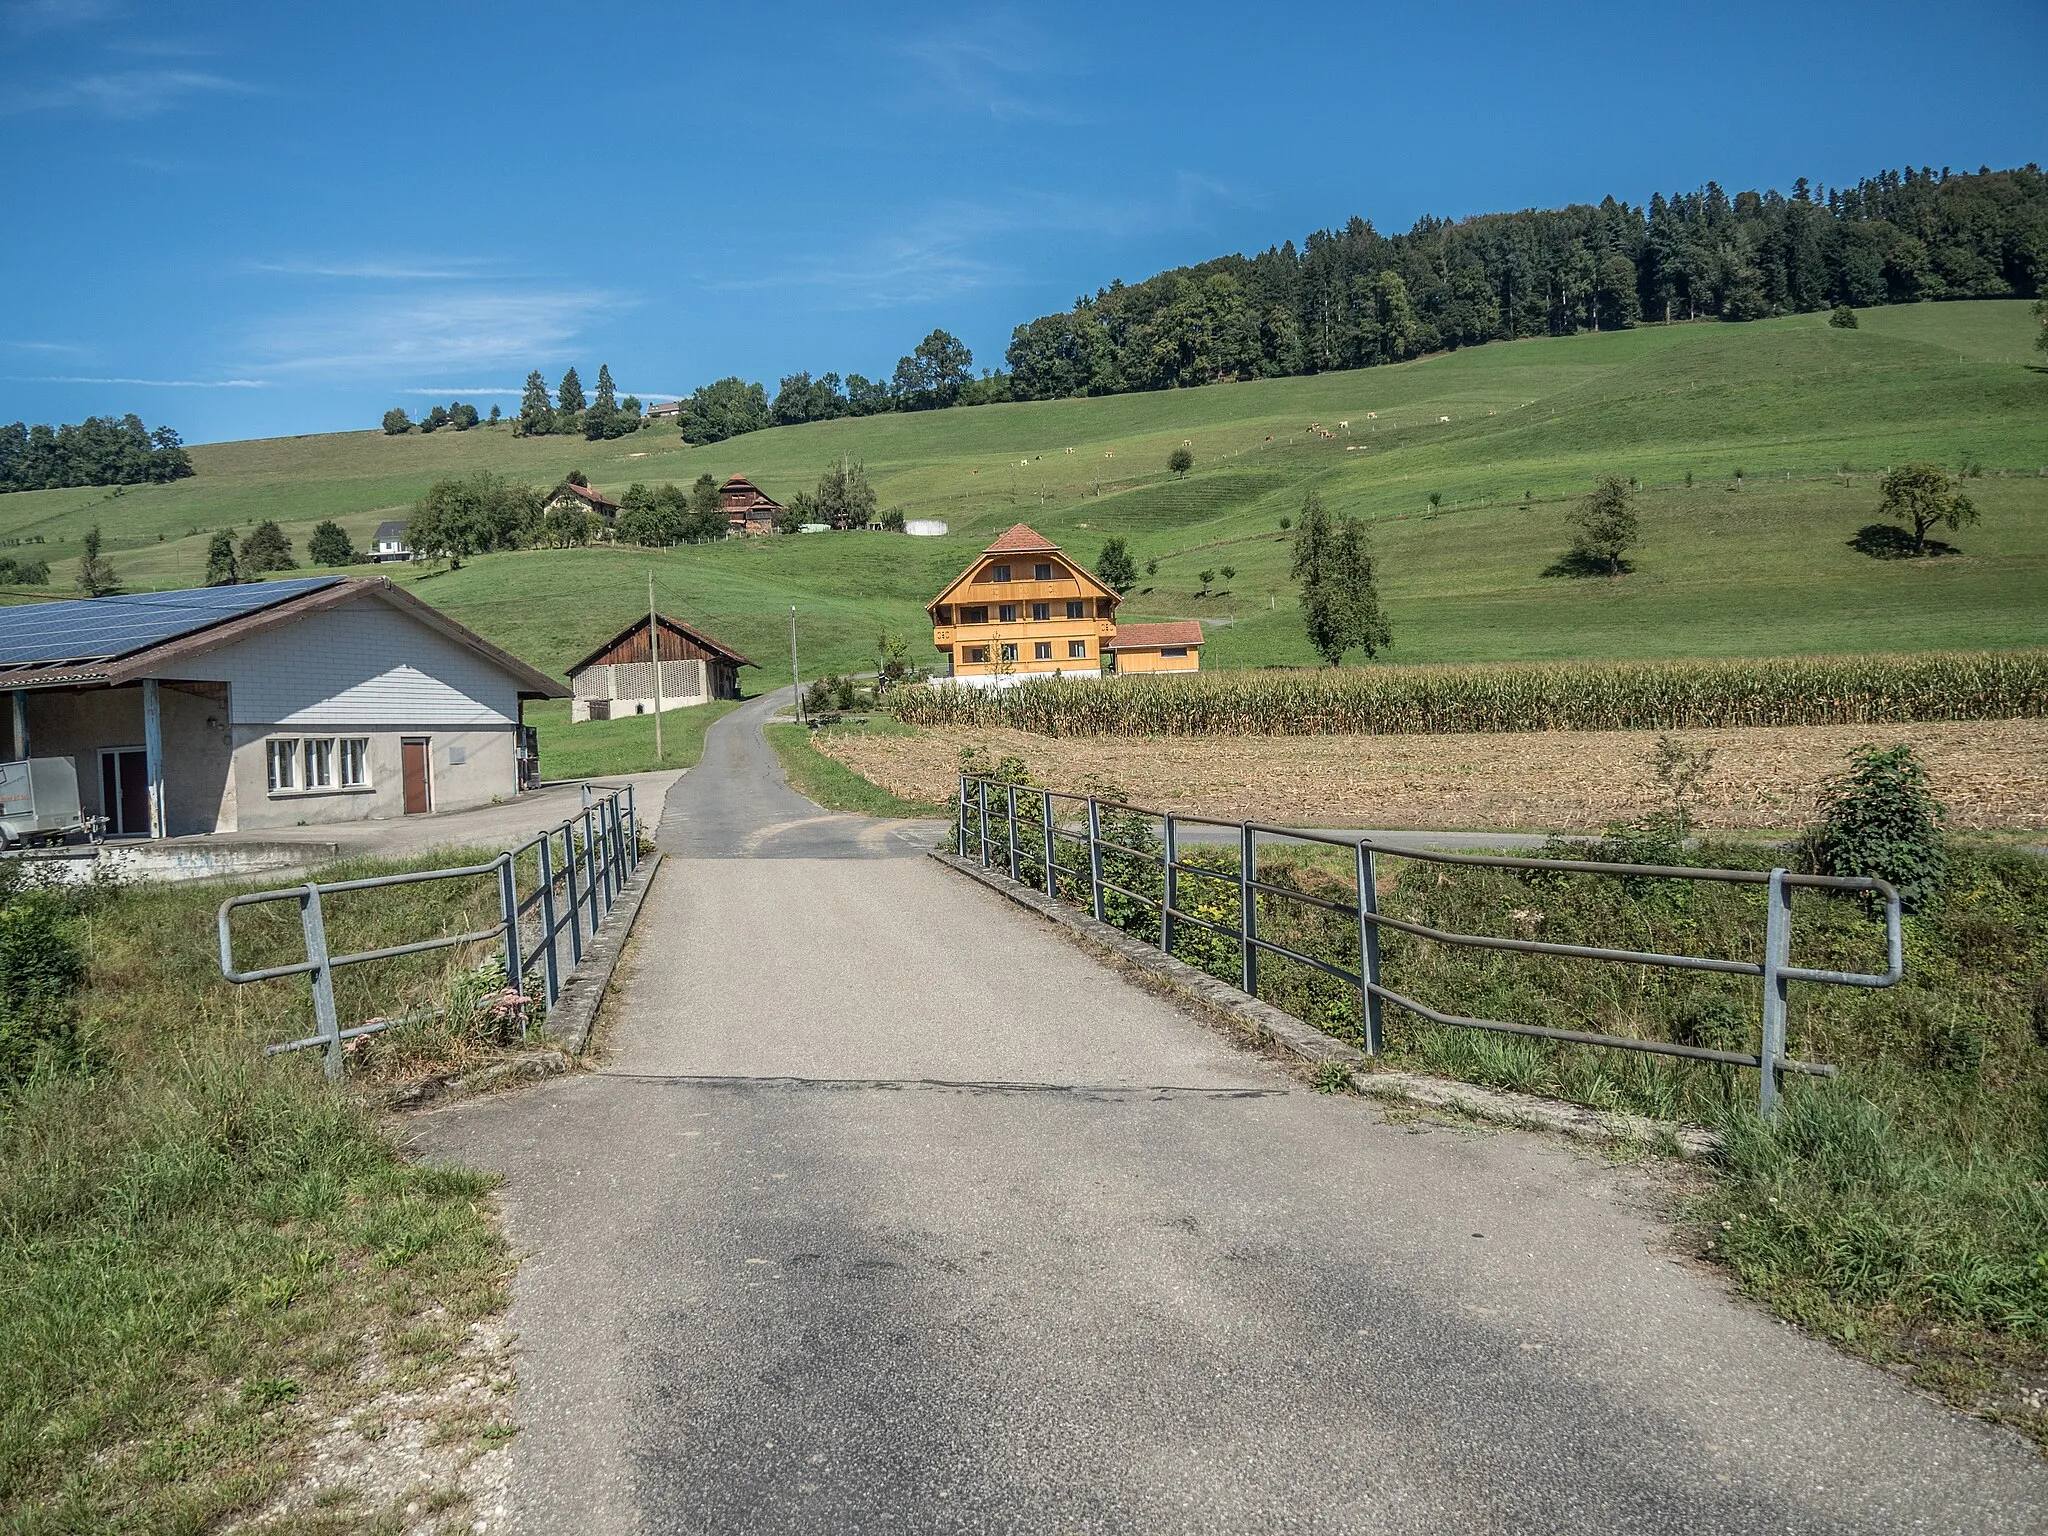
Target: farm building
{"x": 618, "y": 678}
{"x": 748, "y": 508}
{"x": 1022, "y": 609}
{"x": 664, "y": 410}
{"x": 388, "y": 543}
{"x": 221, "y": 709}
{"x": 573, "y": 495}
{"x": 1175, "y": 646}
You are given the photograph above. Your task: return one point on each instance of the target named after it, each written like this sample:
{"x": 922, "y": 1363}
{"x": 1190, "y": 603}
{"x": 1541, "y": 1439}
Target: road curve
{"x": 889, "y": 1210}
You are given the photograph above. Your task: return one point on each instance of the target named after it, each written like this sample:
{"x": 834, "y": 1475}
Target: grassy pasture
{"x": 1763, "y": 569}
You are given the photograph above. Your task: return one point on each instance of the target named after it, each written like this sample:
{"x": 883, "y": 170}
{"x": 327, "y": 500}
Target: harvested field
{"x": 1990, "y": 774}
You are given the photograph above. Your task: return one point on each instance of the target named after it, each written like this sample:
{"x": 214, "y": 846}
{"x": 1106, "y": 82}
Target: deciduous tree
{"x": 96, "y": 576}
{"x": 1180, "y": 461}
{"x": 1605, "y": 527}
{"x": 396, "y": 422}
{"x": 265, "y": 548}
{"x": 1115, "y": 567}
{"x": 1342, "y": 609}
{"x": 1921, "y": 496}
{"x": 222, "y": 569}
{"x": 330, "y": 545}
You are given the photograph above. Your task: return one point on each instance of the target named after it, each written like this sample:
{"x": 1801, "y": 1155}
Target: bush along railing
{"x": 581, "y": 865}
{"x": 1104, "y": 855}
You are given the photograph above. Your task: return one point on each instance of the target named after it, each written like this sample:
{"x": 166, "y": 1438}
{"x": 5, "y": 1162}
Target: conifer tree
{"x": 536, "y": 412}
{"x": 569, "y": 394}
{"x": 96, "y": 576}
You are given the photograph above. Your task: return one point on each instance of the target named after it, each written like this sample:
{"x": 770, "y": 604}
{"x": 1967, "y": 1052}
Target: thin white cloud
{"x": 44, "y": 346}
{"x": 127, "y": 93}
{"x": 412, "y": 332}
{"x": 432, "y": 269}
{"x": 457, "y": 391}
{"x": 31, "y": 16}
{"x": 66, "y": 378}
{"x": 994, "y": 69}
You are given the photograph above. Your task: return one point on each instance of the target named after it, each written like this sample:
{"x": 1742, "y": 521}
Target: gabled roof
{"x": 107, "y": 641}
{"x": 393, "y": 528}
{"x": 1141, "y": 637}
{"x": 740, "y": 485}
{"x": 597, "y": 499}
{"x": 698, "y": 635}
{"x": 1020, "y": 540}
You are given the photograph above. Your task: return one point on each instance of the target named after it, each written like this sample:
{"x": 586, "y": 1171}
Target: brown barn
{"x": 748, "y": 508}
{"x": 618, "y": 679}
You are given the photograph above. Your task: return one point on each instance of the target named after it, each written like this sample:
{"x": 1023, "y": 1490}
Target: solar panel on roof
{"x": 101, "y": 628}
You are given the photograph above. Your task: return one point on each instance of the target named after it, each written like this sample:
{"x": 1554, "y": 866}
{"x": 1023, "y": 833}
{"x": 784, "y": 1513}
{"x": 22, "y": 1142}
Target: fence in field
{"x": 1815, "y": 690}
{"x": 1020, "y": 829}
{"x": 574, "y": 891}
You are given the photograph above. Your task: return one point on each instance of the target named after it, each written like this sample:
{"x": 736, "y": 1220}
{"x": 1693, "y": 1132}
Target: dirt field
{"x": 1990, "y": 775}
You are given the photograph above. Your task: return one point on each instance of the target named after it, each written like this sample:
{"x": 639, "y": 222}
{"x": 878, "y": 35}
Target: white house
{"x": 279, "y": 703}
{"x": 389, "y": 542}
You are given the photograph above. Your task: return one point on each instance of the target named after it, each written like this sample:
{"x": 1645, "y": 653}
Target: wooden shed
{"x": 618, "y": 677}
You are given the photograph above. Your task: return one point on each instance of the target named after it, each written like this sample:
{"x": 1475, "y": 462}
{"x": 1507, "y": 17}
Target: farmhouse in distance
{"x": 618, "y": 678}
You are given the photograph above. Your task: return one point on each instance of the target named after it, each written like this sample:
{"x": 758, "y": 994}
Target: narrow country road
{"x": 889, "y": 1210}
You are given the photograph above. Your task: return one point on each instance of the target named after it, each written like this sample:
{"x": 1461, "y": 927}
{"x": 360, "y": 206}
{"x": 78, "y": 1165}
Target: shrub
{"x": 1843, "y": 318}
{"x": 40, "y": 968}
{"x": 1879, "y": 819}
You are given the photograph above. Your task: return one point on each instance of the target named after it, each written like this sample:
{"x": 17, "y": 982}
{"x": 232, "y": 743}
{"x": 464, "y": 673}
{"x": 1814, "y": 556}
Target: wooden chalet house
{"x": 574, "y": 495}
{"x": 748, "y": 508}
{"x": 1022, "y": 609}
{"x": 618, "y": 678}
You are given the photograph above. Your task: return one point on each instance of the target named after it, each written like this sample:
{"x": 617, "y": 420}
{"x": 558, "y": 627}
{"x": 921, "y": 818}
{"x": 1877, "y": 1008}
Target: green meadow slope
{"x": 1763, "y": 569}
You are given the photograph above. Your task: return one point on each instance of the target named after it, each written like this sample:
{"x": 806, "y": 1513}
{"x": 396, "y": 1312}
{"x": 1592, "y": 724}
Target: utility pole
{"x": 654, "y": 650}
{"x": 796, "y": 682}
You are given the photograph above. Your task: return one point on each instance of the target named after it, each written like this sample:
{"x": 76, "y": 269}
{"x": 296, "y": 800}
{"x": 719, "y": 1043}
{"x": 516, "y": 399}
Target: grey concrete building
{"x": 281, "y": 703}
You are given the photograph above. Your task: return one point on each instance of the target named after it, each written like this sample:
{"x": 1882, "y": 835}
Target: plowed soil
{"x": 1990, "y": 775}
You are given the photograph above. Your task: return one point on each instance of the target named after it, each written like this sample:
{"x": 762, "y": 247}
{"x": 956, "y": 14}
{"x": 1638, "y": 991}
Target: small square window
{"x": 1041, "y": 611}
{"x": 1077, "y": 650}
{"x": 1042, "y": 571}
{"x": 1009, "y": 652}
{"x": 1006, "y": 613}
{"x": 999, "y": 573}
{"x": 1077, "y": 610}
{"x": 283, "y": 755}
{"x": 319, "y": 757}
{"x": 1042, "y": 651}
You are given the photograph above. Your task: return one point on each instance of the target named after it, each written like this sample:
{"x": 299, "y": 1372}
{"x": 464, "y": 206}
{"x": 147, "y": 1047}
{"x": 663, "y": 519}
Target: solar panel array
{"x": 98, "y": 629}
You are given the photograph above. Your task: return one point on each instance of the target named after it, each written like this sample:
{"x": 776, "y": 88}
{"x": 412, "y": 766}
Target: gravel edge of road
{"x": 1261, "y": 1024}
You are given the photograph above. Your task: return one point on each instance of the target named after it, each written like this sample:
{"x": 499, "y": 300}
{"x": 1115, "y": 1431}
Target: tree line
{"x": 1353, "y": 297}
{"x": 101, "y": 450}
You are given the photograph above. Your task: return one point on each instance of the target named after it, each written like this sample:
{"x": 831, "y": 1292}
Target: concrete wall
{"x": 199, "y": 786}
{"x": 627, "y": 688}
{"x": 489, "y": 771}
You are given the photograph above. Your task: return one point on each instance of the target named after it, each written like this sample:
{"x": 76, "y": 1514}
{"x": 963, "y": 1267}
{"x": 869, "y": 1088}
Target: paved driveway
{"x": 889, "y": 1210}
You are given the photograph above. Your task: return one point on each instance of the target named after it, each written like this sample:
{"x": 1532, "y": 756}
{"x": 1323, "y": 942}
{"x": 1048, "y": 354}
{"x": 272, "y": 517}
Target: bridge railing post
{"x": 1171, "y": 888}
{"x": 1368, "y": 948}
{"x": 1045, "y": 826}
{"x": 1095, "y": 857}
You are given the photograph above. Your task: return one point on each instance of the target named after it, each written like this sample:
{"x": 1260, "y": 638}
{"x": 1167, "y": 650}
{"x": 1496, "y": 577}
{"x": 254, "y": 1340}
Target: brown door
{"x": 124, "y": 791}
{"x": 418, "y": 796}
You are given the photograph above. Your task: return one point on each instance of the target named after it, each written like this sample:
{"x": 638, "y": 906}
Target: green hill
{"x": 1766, "y": 568}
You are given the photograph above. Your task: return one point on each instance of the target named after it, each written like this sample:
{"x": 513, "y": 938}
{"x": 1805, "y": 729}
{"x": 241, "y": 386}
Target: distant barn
{"x": 617, "y": 678}
{"x": 748, "y": 508}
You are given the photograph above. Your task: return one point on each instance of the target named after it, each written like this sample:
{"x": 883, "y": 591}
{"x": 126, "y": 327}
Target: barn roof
{"x": 105, "y": 641}
{"x": 597, "y": 499}
{"x": 1140, "y": 637}
{"x": 717, "y": 647}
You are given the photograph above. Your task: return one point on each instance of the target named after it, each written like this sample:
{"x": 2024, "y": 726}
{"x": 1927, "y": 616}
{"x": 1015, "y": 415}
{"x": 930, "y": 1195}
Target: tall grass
{"x": 1608, "y": 696}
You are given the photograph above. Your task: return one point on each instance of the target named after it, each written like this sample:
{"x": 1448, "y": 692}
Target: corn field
{"x": 1570, "y": 696}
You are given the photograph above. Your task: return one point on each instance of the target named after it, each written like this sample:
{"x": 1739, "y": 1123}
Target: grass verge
{"x": 597, "y": 748}
{"x": 211, "y": 1257}
{"x": 830, "y": 782}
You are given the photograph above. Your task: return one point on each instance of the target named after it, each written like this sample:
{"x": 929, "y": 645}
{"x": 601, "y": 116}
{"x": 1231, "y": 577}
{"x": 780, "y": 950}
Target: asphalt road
{"x": 892, "y": 1211}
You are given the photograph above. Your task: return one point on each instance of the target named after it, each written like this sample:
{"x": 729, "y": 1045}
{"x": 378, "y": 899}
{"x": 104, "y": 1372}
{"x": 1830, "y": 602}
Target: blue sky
{"x": 253, "y": 220}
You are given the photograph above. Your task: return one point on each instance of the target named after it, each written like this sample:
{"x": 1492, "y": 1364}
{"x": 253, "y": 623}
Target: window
{"x": 977, "y": 615}
{"x": 976, "y": 655}
{"x": 945, "y": 613}
{"x": 1041, "y": 611}
{"x": 1006, "y": 613}
{"x": 1077, "y": 650}
{"x": 319, "y": 757}
{"x": 1009, "y": 652}
{"x": 1041, "y": 651}
{"x": 1077, "y": 610}
{"x": 1173, "y": 650}
{"x": 999, "y": 573}
{"x": 1042, "y": 571}
{"x": 284, "y": 762}
{"x": 355, "y": 762}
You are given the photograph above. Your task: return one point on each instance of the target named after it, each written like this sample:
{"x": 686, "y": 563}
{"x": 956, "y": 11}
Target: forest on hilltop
{"x": 1353, "y": 297}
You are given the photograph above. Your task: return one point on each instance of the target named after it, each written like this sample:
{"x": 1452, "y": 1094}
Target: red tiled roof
{"x": 1020, "y": 540}
{"x": 595, "y": 498}
{"x": 1138, "y": 637}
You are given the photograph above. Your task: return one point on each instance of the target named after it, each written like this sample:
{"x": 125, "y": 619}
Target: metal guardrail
{"x": 1775, "y": 968}
{"x": 573, "y": 892}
